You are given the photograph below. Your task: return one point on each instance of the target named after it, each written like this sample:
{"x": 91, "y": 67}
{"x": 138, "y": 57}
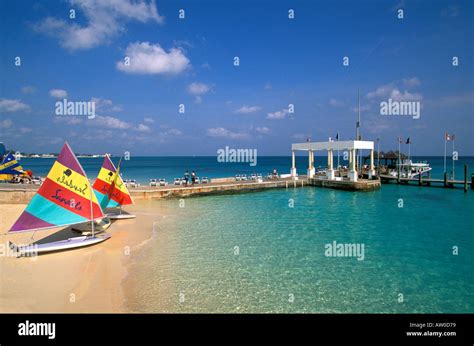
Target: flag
{"x": 337, "y": 136}
{"x": 400, "y": 140}
{"x": 408, "y": 141}
{"x": 448, "y": 137}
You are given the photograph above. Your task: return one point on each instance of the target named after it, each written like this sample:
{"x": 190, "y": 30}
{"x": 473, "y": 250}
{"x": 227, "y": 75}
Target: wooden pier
{"x": 424, "y": 181}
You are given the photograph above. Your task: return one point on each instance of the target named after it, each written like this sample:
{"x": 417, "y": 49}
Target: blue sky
{"x": 190, "y": 61}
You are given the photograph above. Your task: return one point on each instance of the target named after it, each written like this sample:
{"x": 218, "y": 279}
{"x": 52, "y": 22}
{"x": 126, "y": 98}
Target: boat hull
{"x": 67, "y": 244}
{"x": 122, "y": 216}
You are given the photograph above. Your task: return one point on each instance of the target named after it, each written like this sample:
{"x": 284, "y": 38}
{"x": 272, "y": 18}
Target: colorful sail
{"x": 64, "y": 198}
{"x": 109, "y": 187}
{"x": 10, "y": 165}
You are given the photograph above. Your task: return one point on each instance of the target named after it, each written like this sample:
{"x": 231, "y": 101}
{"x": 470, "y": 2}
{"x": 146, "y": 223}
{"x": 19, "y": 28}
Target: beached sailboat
{"x": 111, "y": 191}
{"x": 65, "y": 198}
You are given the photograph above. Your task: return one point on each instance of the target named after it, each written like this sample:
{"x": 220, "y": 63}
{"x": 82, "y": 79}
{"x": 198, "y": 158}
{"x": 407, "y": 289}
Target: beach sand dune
{"x": 81, "y": 280}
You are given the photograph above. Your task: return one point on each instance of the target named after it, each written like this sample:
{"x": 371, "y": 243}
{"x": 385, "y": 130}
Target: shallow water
{"x": 253, "y": 252}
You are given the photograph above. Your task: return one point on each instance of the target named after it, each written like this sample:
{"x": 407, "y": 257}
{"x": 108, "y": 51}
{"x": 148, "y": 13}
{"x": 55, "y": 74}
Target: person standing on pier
{"x": 193, "y": 177}
{"x": 186, "y": 177}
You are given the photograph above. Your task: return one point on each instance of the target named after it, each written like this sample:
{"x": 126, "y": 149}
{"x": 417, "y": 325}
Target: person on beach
{"x": 186, "y": 177}
{"x": 275, "y": 173}
{"x": 193, "y": 177}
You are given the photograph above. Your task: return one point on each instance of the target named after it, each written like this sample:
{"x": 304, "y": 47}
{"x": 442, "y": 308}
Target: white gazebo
{"x": 350, "y": 146}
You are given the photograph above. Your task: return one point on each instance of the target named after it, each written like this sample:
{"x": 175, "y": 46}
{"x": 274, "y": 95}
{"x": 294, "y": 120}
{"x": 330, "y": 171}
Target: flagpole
{"x": 453, "y": 158}
{"x": 445, "y": 153}
{"x": 409, "y": 143}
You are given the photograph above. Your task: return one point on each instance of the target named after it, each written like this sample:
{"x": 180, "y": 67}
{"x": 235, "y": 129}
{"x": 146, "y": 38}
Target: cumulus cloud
{"x": 197, "y": 88}
{"x": 335, "y": 103}
{"x": 110, "y": 122}
{"x": 68, "y": 120}
{"x": 9, "y": 105}
{"x": 148, "y": 120}
{"x": 6, "y": 123}
{"x": 411, "y": 82}
{"x": 263, "y": 130}
{"x": 105, "y": 20}
{"x": 278, "y": 114}
{"x": 248, "y": 109}
{"x": 28, "y": 89}
{"x": 143, "y": 128}
{"x": 58, "y": 93}
{"x": 223, "y": 132}
{"x": 396, "y": 95}
{"x": 147, "y": 58}
{"x": 105, "y": 105}
{"x": 381, "y": 91}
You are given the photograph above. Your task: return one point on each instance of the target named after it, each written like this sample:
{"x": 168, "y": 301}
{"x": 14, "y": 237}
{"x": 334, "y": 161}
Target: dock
{"x": 428, "y": 181}
{"x": 22, "y": 193}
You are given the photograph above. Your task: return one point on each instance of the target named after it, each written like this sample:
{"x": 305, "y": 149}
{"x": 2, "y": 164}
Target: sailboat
{"x": 64, "y": 198}
{"x": 111, "y": 191}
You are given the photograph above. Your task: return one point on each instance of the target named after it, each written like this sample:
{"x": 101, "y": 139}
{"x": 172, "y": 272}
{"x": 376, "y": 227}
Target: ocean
{"x": 144, "y": 168}
{"x": 268, "y": 251}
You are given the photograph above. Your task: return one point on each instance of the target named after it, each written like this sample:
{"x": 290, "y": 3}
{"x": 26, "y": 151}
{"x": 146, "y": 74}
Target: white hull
{"x": 122, "y": 216}
{"x": 67, "y": 244}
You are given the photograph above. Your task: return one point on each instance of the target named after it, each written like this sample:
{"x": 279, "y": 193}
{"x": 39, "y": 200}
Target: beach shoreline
{"x": 83, "y": 280}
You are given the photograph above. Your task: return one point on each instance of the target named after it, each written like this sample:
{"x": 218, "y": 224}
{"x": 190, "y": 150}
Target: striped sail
{"x": 10, "y": 165}
{"x": 109, "y": 187}
{"x": 64, "y": 198}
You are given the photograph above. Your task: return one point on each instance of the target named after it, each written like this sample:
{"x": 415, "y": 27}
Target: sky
{"x": 138, "y": 61}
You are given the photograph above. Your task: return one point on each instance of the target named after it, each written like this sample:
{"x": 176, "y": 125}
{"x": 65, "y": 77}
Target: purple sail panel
{"x": 66, "y": 158}
{"x": 108, "y": 164}
{"x": 26, "y": 221}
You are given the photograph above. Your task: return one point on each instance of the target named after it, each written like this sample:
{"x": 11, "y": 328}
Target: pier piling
{"x": 465, "y": 178}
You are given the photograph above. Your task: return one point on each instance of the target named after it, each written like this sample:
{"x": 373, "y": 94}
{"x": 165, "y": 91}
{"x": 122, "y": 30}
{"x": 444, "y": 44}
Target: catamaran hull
{"x": 86, "y": 229}
{"x": 67, "y": 244}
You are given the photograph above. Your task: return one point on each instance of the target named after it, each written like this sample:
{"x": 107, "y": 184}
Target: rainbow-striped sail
{"x": 64, "y": 198}
{"x": 10, "y": 165}
{"x": 109, "y": 187}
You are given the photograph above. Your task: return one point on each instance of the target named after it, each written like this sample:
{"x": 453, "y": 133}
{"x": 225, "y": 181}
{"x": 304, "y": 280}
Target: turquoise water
{"x": 144, "y": 168}
{"x": 254, "y": 253}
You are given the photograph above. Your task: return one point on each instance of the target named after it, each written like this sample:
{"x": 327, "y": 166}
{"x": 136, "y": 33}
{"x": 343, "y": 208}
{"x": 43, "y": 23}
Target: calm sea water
{"x": 144, "y": 168}
{"x": 255, "y": 253}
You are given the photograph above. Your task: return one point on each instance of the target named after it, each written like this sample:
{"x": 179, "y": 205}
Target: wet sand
{"x": 81, "y": 280}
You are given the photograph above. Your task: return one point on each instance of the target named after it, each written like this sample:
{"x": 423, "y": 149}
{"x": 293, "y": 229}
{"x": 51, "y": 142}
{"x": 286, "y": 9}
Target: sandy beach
{"x": 81, "y": 280}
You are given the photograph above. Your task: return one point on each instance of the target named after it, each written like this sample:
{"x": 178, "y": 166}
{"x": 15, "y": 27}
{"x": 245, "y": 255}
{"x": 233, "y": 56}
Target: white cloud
{"x": 68, "y": 120}
{"x": 110, "y": 122}
{"x": 6, "y": 124}
{"x": 248, "y": 109}
{"x": 25, "y": 130}
{"x": 146, "y": 58}
{"x": 8, "y": 105}
{"x": 105, "y": 20}
{"x": 411, "y": 82}
{"x": 222, "y": 132}
{"x": 143, "y": 128}
{"x": 58, "y": 93}
{"x": 172, "y": 132}
{"x": 278, "y": 114}
{"x": 148, "y": 120}
{"x": 28, "y": 89}
{"x": 105, "y": 105}
{"x": 197, "y": 88}
{"x": 263, "y": 130}
{"x": 396, "y": 95}
{"x": 381, "y": 91}
{"x": 336, "y": 103}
